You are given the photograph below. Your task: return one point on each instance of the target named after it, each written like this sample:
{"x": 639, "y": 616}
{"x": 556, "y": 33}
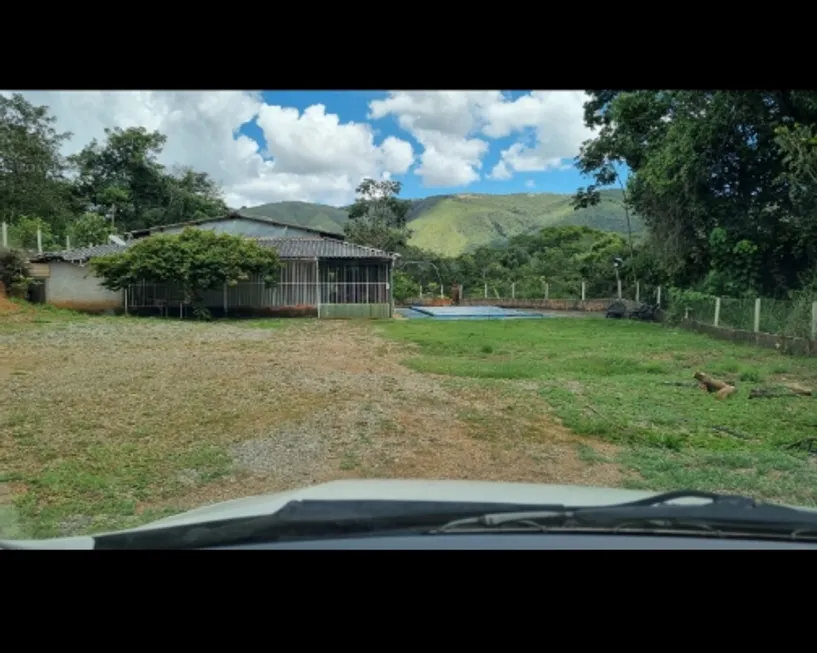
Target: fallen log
{"x": 770, "y": 393}
{"x": 796, "y": 388}
{"x": 682, "y": 384}
{"x": 720, "y": 388}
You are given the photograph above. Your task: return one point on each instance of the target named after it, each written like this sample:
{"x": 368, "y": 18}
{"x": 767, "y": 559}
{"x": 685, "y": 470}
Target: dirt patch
{"x": 92, "y": 307}
{"x": 126, "y": 416}
{"x": 8, "y": 307}
{"x": 386, "y": 421}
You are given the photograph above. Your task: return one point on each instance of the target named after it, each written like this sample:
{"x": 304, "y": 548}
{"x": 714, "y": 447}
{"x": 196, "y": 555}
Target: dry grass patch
{"x": 110, "y": 422}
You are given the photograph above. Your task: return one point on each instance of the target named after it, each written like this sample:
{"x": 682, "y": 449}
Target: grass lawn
{"x": 109, "y": 422}
{"x": 622, "y": 381}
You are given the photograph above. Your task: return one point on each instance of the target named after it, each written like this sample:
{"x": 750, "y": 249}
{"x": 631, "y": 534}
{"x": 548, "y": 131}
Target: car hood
{"x": 382, "y": 490}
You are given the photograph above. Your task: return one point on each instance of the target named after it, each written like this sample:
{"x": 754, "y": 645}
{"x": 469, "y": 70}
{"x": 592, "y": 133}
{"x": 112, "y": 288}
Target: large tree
{"x": 378, "y": 216}
{"x": 700, "y": 161}
{"x": 32, "y": 181}
{"x": 113, "y": 185}
{"x": 122, "y": 179}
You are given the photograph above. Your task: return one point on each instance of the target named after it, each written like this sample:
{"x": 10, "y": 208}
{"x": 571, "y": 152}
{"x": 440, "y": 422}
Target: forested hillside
{"x": 453, "y": 224}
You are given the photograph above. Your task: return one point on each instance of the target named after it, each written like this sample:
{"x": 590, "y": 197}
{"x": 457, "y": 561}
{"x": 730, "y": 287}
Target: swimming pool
{"x": 467, "y": 313}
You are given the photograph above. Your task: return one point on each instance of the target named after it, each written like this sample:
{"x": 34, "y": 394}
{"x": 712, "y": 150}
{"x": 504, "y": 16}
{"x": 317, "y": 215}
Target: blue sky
{"x": 316, "y": 146}
{"x": 353, "y": 106}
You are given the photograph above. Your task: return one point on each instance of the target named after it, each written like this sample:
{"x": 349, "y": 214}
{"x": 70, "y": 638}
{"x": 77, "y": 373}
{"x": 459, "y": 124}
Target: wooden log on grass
{"x": 791, "y": 390}
{"x": 720, "y": 388}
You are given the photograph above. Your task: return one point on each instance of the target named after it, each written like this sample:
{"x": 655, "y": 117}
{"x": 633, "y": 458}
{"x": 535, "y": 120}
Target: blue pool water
{"x": 466, "y": 313}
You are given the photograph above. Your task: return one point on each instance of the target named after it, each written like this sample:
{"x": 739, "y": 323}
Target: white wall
{"x": 73, "y": 286}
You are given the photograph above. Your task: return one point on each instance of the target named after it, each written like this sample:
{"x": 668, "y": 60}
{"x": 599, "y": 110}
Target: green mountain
{"x": 453, "y": 224}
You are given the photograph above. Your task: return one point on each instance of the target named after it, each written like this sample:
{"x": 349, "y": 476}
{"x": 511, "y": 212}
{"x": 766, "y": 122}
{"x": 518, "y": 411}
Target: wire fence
{"x": 560, "y": 289}
{"x": 793, "y": 318}
{"x": 254, "y": 294}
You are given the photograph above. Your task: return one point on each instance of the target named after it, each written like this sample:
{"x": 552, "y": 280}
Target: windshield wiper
{"x": 724, "y": 513}
{"x": 308, "y": 520}
{"x": 299, "y": 520}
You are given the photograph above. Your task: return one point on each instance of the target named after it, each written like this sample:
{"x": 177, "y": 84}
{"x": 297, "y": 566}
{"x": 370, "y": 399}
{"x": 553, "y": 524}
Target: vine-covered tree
{"x": 196, "y": 260}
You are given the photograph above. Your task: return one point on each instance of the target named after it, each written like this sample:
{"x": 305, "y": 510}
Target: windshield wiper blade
{"x": 729, "y": 512}
{"x": 307, "y": 519}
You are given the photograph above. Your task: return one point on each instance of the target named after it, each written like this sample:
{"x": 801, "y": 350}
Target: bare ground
{"x": 107, "y": 417}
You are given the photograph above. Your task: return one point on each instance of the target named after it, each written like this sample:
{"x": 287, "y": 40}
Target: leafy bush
{"x": 677, "y": 301}
{"x": 14, "y": 272}
{"x": 89, "y": 229}
{"x": 404, "y": 286}
{"x": 23, "y": 233}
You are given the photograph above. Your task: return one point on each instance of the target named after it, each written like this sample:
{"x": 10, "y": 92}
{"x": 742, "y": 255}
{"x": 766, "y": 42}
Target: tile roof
{"x": 288, "y": 248}
{"x": 321, "y": 248}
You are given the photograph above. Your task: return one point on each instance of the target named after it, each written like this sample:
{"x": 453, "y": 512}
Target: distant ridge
{"x": 453, "y": 224}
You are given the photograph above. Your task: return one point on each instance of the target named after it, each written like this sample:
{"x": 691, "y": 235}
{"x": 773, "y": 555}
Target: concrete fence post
{"x": 814, "y": 321}
{"x": 757, "y": 315}
{"x": 717, "y": 319}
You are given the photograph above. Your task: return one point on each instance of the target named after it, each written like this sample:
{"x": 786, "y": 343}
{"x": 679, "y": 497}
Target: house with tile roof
{"x": 322, "y": 275}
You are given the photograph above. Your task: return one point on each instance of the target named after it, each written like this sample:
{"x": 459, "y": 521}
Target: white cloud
{"x": 443, "y": 122}
{"x": 311, "y": 155}
{"x": 556, "y": 119}
{"x": 530, "y": 183}
{"x": 449, "y": 125}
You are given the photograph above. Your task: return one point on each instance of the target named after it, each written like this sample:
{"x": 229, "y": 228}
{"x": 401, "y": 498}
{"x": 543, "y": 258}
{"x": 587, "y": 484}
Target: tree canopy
{"x": 378, "y": 216}
{"x": 721, "y": 178}
{"x": 118, "y": 182}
